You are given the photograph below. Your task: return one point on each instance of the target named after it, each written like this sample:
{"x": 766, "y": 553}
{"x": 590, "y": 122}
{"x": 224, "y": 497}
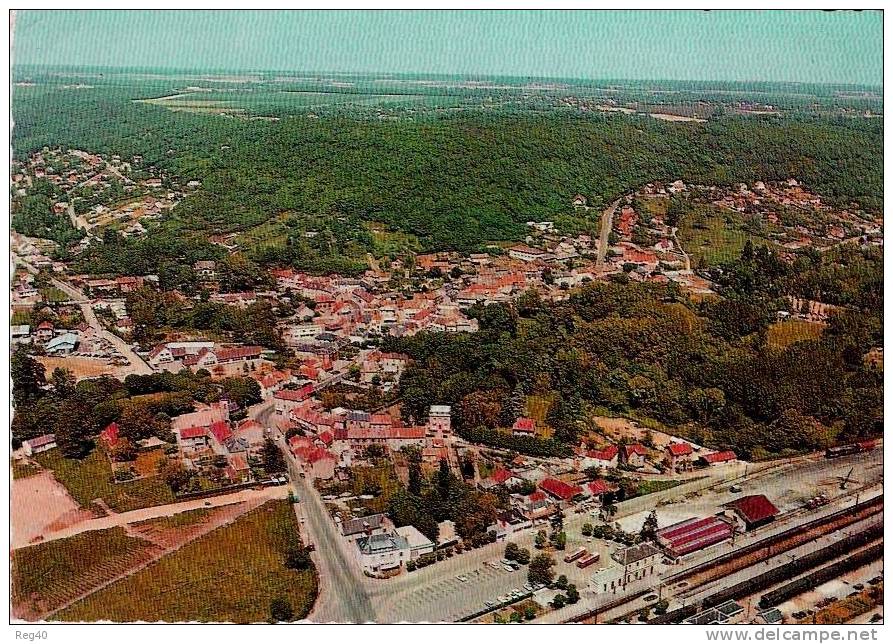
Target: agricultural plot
{"x": 48, "y": 575}
{"x": 91, "y": 478}
{"x": 229, "y": 575}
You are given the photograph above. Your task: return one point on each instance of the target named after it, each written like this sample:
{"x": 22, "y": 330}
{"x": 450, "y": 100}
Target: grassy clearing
{"x": 54, "y": 295}
{"x": 20, "y": 317}
{"x": 91, "y": 479}
{"x": 47, "y": 575}
{"x": 650, "y": 487}
{"x": 229, "y": 575}
{"x": 23, "y": 469}
{"x": 537, "y": 407}
{"x": 712, "y": 237}
{"x": 787, "y": 332}
{"x": 379, "y": 480}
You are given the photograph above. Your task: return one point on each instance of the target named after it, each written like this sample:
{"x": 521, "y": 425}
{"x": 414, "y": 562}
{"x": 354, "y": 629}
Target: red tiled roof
{"x": 326, "y": 437}
{"x": 299, "y": 442}
{"x": 295, "y": 395}
{"x": 524, "y": 425}
{"x": 221, "y": 431}
{"x": 238, "y": 353}
{"x": 754, "y": 508}
{"x": 679, "y": 449}
{"x": 598, "y": 486}
{"x": 720, "y": 457}
{"x": 606, "y": 454}
{"x": 560, "y": 489}
{"x": 694, "y": 534}
{"x": 635, "y": 448}
{"x": 192, "y": 432}
{"x": 537, "y": 496}
{"x": 501, "y": 475}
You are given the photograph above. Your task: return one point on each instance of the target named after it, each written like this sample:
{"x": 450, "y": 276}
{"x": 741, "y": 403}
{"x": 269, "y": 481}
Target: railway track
{"x": 754, "y": 553}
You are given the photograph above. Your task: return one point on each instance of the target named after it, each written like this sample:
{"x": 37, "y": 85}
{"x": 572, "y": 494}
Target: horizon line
{"x": 470, "y": 75}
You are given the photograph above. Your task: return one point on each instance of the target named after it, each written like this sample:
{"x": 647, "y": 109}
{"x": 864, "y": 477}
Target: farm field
{"x": 787, "y": 332}
{"x": 229, "y": 575}
{"x": 91, "y": 478}
{"x": 47, "y": 575}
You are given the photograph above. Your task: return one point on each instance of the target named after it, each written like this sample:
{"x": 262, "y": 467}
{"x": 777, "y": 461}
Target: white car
{"x": 508, "y": 568}
{"x": 462, "y": 578}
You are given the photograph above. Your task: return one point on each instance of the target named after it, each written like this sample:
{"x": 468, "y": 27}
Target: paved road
{"x": 137, "y": 364}
{"x": 607, "y": 224}
{"x": 143, "y": 514}
{"x": 343, "y": 591}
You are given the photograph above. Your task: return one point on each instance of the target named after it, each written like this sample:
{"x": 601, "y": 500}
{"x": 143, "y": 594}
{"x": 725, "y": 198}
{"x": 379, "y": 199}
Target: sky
{"x": 797, "y": 46}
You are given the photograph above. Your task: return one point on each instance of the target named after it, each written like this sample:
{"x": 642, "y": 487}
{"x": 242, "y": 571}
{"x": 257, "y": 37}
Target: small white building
{"x": 419, "y": 544}
{"x": 379, "y": 553}
{"x": 439, "y": 421}
{"x": 40, "y": 444}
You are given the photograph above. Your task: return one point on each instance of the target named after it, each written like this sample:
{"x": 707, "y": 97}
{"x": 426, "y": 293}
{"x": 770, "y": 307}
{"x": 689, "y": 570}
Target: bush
{"x": 281, "y": 610}
{"x": 410, "y": 566}
{"x": 559, "y": 601}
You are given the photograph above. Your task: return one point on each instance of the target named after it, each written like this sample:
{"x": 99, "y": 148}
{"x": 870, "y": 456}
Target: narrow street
{"x": 607, "y": 223}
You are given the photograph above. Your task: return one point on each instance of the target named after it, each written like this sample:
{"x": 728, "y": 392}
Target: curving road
{"x": 137, "y": 364}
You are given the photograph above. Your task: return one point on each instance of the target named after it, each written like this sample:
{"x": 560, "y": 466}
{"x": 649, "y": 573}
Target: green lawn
{"x": 650, "y": 487}
{"x": 229, "y": 575}
{"x": 91, "y": 479}
{"x": 53, "y": 295}
{"x": 787, "y": 332}
{"x": 20, "y": 317}
{"x": 47, "y": 575}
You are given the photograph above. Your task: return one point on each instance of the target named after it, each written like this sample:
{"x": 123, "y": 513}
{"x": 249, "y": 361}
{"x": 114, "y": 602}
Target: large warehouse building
{"x": 693, "y": 534}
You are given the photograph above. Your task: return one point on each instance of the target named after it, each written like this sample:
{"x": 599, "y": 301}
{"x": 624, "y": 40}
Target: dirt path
{"x": 135, "y": 516}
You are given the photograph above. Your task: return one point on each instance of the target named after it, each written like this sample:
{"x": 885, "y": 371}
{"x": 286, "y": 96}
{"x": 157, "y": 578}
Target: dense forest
{"x": 453, "y": 182}
{"x": 704, "y": 369}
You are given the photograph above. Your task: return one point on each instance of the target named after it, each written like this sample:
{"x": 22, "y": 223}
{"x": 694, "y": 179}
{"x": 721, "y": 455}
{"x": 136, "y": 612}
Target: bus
{"x": 588, "y": 560}
{"x": 576, "y": 554}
